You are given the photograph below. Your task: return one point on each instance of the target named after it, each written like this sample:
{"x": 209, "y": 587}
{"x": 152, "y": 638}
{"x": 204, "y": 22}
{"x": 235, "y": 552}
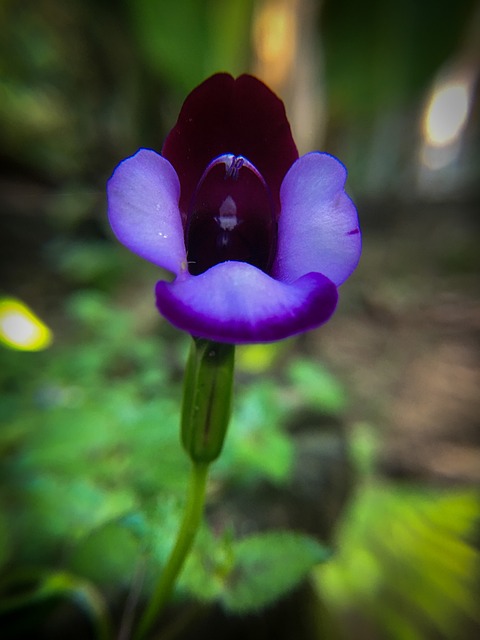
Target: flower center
{"x": 231, "y": 217}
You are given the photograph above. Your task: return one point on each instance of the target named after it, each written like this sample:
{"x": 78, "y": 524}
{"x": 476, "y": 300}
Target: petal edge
{"x": 318, "y": 229}
{"x": 143, "y": 211}
{"x": 235, "y": 302}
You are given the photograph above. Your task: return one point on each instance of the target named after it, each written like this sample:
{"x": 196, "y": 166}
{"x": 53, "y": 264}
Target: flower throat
{"x": 231, "y": 217}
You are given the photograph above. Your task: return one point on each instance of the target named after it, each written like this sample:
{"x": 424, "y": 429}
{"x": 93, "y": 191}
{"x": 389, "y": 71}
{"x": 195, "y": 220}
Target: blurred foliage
{"x": 62, "y": 96}
{"x": 83, "y": 82}
{"x": 408, "y": 563}
{"x": 187, "y": 40}
{"x": 383, "y": 53}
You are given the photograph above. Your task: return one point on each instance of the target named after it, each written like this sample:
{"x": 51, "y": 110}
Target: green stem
{"x": 206, "y": 408}
{"x": 186, "y": 535}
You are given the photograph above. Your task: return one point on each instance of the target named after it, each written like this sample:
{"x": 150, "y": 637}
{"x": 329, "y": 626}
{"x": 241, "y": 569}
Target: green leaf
{"x": 267, "y": 566}
{"x": 209, "y": 563}
{"x": 107, "y": 556}
{"x": 318, "y": 387}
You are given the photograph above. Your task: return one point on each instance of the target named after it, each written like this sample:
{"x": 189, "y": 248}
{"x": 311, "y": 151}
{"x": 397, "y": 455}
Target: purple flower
{"x": 258, "y": 239}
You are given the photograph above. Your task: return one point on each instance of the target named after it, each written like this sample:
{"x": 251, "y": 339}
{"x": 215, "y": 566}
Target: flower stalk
{"x": 185, "y": 538}
{"x": 206, "y": 409}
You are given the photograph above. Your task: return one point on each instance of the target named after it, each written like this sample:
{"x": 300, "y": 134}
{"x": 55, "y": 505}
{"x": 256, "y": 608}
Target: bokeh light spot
{"x": 20, "y": 328}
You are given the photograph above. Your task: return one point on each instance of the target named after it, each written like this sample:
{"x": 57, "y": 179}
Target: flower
{"x": 257, "y": 238}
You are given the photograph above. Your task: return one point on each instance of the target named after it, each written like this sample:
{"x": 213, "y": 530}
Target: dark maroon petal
{"x": 226, "y": 115}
